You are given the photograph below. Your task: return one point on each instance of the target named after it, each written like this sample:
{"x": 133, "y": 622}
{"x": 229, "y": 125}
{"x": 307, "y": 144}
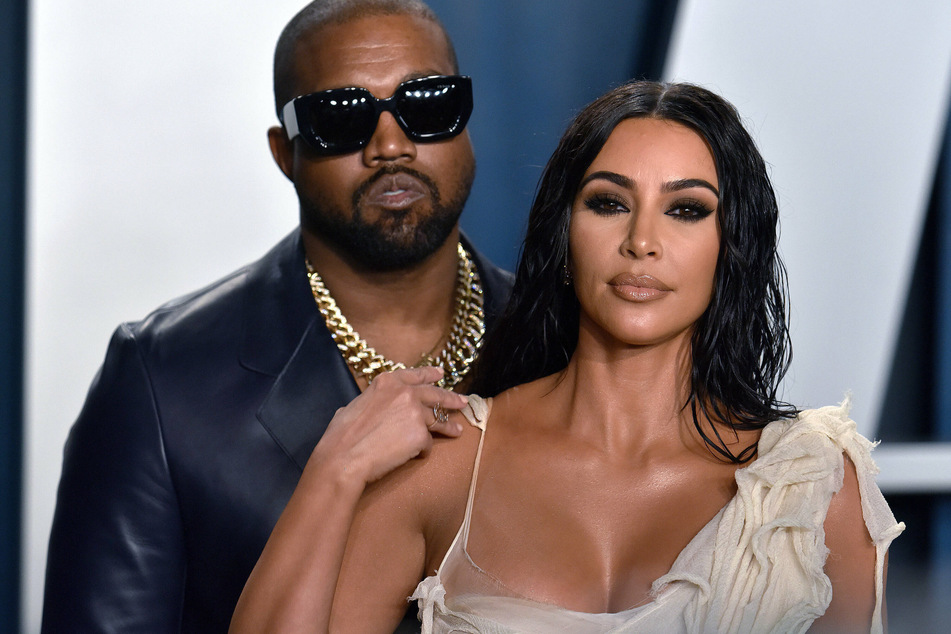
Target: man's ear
{"x": 282, "y": 149}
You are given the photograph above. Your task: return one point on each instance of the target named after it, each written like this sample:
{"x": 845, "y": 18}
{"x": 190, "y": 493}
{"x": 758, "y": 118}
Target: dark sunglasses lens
{"x": 338, "y": 121}
{"x": 434, "y": 108}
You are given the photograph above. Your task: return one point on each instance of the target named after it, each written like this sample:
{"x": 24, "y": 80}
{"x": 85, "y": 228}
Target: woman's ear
{"x": 282, "y": 149}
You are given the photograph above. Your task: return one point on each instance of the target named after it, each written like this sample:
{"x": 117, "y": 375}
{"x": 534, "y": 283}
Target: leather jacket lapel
{"x": 278, "y": 307}
{"x": 285, "y": 337}
{"x": 313, "y": 385}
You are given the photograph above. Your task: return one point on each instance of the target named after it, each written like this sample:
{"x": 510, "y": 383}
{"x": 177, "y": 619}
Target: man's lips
{"x": 638, "y": 288}
{"x": 395, "y": 191}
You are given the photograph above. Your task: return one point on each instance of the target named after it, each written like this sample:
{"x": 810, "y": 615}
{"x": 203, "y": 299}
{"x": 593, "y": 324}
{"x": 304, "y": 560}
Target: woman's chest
{"x": 587, "y": 535}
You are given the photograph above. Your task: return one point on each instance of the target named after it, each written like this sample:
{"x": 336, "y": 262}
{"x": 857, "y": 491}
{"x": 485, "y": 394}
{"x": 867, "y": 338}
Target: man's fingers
{"x": 421, "y": 380}
{"x": 417, "y": 376}
{"x": 431, "y": 395}
{"x": 443, "y": 422}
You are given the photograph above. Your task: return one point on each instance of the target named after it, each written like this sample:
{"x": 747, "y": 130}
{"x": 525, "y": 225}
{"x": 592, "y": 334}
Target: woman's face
{"x": 644, "y": 235}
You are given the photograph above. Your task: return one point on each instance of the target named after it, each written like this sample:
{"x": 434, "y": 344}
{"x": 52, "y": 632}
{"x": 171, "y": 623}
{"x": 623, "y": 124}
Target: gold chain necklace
{"x": 465, "y": 335}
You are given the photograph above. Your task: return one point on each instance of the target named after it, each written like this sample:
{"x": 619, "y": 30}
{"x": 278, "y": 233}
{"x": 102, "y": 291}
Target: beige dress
{"x": 757, "y": 566}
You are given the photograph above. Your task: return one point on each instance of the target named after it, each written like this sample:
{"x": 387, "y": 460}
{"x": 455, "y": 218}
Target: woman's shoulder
{"x": 447, "y": 466}
{"x": 512, "y": 404}
{"x": 431, "y": 490}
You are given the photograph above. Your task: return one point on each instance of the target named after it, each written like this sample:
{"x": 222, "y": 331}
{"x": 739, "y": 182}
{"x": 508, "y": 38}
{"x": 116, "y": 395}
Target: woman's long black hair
{"x": 740, "y": 347}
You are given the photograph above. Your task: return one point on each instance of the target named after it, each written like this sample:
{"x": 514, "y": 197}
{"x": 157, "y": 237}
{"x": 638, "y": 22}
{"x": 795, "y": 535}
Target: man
{"x": 196, "y": 429}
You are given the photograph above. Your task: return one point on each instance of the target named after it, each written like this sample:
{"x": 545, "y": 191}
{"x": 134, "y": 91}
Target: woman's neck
{"x": 628, "y": 398}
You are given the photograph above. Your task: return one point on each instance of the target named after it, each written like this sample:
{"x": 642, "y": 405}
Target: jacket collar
{"x": 278, "y": 307}
{"x": 284, "y": 337}
{"x": 314, "y": 384}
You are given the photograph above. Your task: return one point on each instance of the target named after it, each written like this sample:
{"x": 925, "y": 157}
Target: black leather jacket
{"x": 190, "y": 443}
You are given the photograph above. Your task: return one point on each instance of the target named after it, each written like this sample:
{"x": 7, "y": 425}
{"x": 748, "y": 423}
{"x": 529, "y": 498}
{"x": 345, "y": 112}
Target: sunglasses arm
{"x": 290, "y": 119}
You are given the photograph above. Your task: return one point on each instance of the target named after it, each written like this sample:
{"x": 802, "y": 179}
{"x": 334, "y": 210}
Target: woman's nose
{"x": 641, "y": 240}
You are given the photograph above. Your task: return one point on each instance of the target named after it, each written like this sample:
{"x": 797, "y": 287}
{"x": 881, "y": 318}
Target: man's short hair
{"x": 321, "y": 13}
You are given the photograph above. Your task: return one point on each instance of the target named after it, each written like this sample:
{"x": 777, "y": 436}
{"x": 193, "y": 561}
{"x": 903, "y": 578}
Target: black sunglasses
{"x": 343, "y": 120}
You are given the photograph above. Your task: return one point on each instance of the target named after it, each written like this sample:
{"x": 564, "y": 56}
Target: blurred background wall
{"x": 146, "y": 174}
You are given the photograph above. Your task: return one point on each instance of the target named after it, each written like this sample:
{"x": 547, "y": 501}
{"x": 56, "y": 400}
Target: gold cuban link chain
{"x": 462, "y": 346}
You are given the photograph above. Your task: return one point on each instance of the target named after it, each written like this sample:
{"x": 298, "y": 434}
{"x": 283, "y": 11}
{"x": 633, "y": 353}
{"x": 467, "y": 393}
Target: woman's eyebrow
{"x": 688, "y": 183}
{"x": 614, "y": 177}
{"x": 668, "y": 187}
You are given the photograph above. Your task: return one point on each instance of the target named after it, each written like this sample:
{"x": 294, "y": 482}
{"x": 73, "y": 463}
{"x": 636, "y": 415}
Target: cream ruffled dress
{"x": 757, "y": 566}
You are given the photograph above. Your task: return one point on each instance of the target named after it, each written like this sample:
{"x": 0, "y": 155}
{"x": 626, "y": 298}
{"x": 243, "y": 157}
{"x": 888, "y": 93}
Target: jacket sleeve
{"x": 116, "y": 554}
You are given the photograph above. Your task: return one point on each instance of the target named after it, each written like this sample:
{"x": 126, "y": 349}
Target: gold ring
{"x": 440, "y": 415}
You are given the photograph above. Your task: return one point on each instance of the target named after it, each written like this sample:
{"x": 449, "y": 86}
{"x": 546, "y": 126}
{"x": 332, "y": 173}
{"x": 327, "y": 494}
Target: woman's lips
{"x": 638, "y": 288}
{"x": 395, "y": 191}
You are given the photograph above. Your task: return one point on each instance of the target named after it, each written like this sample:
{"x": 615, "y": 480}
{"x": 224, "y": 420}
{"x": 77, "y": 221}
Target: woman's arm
{"x": 293, "y": 585}
{"x": 851, "y": 562}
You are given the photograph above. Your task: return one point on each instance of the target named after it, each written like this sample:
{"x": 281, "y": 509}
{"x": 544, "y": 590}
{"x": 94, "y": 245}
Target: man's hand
{"x": 390, "y": 423}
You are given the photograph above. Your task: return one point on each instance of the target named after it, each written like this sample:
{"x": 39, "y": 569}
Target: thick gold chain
{"x": 465, "y": 334}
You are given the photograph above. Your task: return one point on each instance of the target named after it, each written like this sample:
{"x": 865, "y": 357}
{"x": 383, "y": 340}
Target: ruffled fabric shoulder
{"x": 760, "y": 569}
{"x": 477, "y": 412}
{"x": 431, "y": 596}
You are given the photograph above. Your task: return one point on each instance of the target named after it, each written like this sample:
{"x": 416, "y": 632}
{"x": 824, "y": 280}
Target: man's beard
{"x": 387, "y": 244}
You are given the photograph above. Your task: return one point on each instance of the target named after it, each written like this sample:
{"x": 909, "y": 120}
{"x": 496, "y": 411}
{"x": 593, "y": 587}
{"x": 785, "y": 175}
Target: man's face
{"x": 391, "y": 204}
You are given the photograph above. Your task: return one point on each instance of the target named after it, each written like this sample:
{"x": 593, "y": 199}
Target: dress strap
{"x": 479, "y": 417}
{"x": 477, "y": 414}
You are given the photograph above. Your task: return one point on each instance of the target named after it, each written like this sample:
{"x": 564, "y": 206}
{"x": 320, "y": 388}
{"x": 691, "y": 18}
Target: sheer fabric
{"x": 757, "y": 566}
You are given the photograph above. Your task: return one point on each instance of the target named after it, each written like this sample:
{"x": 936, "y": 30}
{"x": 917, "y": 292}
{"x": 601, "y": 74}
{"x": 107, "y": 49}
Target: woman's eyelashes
{"x": 605, "y": 204}
{"x": 689, "y": 210}
{"x": 685, "y": 209}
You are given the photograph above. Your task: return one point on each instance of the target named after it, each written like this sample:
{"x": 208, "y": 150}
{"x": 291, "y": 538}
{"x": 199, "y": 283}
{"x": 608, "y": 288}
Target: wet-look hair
{"x": 740, "y": 346}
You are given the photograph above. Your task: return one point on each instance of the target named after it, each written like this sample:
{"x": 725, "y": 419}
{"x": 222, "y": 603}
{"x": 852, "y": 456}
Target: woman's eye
{"x": 605, "y": 205}
{"x": 689, "y": 211}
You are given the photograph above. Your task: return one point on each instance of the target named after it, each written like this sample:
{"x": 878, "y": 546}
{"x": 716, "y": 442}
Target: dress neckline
{"x": 477, "y": 414}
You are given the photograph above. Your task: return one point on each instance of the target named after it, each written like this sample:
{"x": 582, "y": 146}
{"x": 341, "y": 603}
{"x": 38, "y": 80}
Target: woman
{"x": 635, "y": 470}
